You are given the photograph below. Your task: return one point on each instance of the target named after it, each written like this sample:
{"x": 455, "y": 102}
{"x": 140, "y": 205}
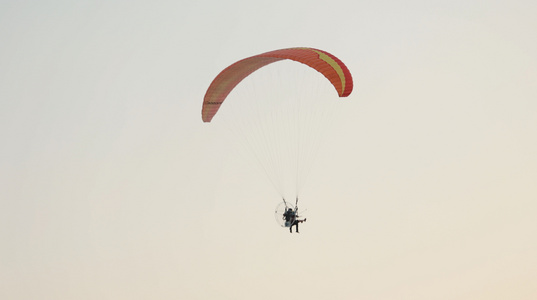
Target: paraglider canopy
{"x": 330, "y": 66}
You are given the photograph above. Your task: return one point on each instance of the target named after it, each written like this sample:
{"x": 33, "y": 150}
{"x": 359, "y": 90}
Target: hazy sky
{"x": 111, "y": 186}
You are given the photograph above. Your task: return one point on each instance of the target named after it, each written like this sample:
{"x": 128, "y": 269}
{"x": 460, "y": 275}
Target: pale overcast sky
{"x": 112, "y": 187}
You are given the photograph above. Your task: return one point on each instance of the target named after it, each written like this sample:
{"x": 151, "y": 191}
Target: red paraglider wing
{"x": 325, "y": 63}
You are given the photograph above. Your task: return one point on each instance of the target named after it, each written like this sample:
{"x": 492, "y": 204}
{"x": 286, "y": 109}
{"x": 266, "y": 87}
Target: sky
{"x": 112, "y": 187}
